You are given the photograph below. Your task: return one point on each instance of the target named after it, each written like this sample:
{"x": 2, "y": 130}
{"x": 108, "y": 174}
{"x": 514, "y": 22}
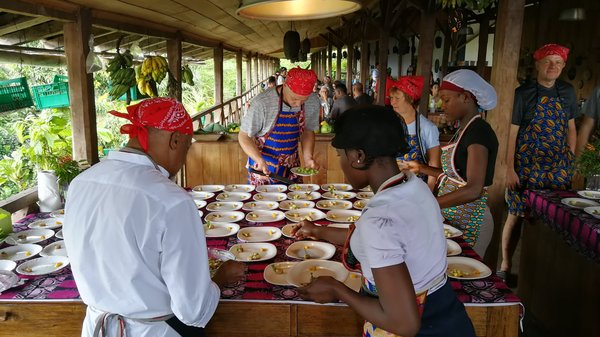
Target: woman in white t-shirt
{"x": 398, "y": 243}
{"x": 423, "y": 136}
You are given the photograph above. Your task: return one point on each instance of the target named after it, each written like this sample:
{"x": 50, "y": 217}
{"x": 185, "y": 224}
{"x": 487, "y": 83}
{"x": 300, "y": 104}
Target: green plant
{"x": 588, "y": 163}
{"x": 67, "y": 169}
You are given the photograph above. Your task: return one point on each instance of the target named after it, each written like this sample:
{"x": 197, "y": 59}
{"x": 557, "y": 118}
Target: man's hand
{"x": 512, "y": 179}
{"x": 229, "y": 272}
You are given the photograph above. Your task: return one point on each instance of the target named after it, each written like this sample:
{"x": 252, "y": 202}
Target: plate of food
{"x": 276, "y": 273}
{"x": 224, "y": 206}
{"x": 466, "y": 268}
{"x": 216, "y": 257}
{"x": 579, "y": 203}
{"x": 29, "y": 236}
{"x": 287, "y": 230}
{"x": 215, "y": 229}
{"x": 339, "y": 195}
{"x": 259, "y": 234}
{"x": 253, "y": 251}
{"x": 200, "y": 203}
{"x": 334, "y": 204}
{"x": 231, "y": 216}
{"x": 239, "y": 188}
{"x": 305, "y": 250}
{"x": 43, "y": 265}
{"x": 20, "y": 252}
{"x": 59, "y": 234}
{"x": 303, "y": 273}
{"x": 297, "y": 215}
{"x": 301, "y": 195}
{"x": 303, "y": 188}
{"x": 265, "y": 216}
{"x": 201, "y": 195}
{"x": 271, "y": 188}
{"x": 49, "y": 223}
{"x": 360, "y": 204}
{"x": 595, "y": 195}
{"x": 336, "y": 187}
{"x": 452, "y": 248}
{"x": 55, "y": 249}
{"x": 270, "y": 196}
{"x": 7, "y": 265}
{"x": 593, "y": 211}
{"x": 354, "y": 281}
{"x": 208, "y": 188}
{"x": 365, "y": 195}
{"x": 295, "y": 204}
{"x": 304, "y": 171}
{"x": 58, "y": 213}
{"x": 234, "y": 196}
{"x": 451, "y": 232}
{"x": 343, "y": 215}
{"x": 260, "y": 205}
{"x": 366, "y": 189}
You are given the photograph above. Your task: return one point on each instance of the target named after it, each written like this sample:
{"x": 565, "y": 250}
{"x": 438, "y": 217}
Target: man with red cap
{"x": 135, "y": 239}
{"x": 275, "y": 122}
{"x": 542, "y": 140}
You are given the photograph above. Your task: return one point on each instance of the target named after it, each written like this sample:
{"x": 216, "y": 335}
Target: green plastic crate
{"x": 53, "y": 95}
{"x": 14, "y": 94}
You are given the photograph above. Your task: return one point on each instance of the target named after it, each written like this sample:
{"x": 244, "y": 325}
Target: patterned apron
{"x": 279, "y": 147}
{"x": 466, "y": 217}
{"x": 415, "y": 151}
{"x": 542, "y": 159}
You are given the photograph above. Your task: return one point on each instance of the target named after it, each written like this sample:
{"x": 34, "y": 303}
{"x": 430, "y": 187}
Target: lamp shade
{"x": 289, "y": 10}
{"x": 305, "y": 48}
{"x": 291, "y": 44}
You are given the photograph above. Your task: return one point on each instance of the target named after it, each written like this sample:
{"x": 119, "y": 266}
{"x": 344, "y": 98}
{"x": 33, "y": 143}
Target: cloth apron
{"x": 279, "y": 147}
{"x": 415, "y": 151}
{"x": 543, "y": 159}
{"x": 466, "y": 217}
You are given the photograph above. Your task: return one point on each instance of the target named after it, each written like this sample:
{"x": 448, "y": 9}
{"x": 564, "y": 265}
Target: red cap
{"x": 410, "y": 85}
{"x": 301, "y": 81}
{"x": 551, "y": 49}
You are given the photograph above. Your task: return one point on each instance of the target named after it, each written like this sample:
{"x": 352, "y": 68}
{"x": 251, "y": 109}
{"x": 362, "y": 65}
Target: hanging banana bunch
{"x": 152, "y": 71}
{"x": 121, "y": 73}
{"x": 187, "y": 76}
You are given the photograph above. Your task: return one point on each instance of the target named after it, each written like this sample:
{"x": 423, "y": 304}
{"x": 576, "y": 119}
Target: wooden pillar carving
{"x": 238, "y": 73}
{"x": 427, "y": 33}
{"x": 174, "y": 58}
{"x": 218, "y": 62}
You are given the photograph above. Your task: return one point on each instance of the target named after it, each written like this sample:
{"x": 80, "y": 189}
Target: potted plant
{"x": 588, "y": 165}
{"x": 66, "y": 170}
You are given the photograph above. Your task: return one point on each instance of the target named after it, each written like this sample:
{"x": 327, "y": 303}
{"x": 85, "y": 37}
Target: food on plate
{"x": 353, "y": 218}
{"x": 27, "y": 269}
{"x": 306, "y": 170}
{"x": 55, "y": 247}
{"x": 454, "y": 272}
{"x": 246, "y": 234}
{"x": 240, "y": 249}
{"x": 578, "y": 203}
{"x": 209, "y": 225}
{"x": 58, "y": 264}
{"x": 59, "y": 223}
{"x": 274, "y": 215}
{"x": 596, "y": 212}
{"x": 43, "y": 224}
{"x": 214, "y": 264}
{"x": 232, "y": 217}
{"x": 272, "y": 232}
{"x": 259, "y": 197}
{"x": 277, "y": 270}
{"x": 254, "y": 256}
{"x": 253, "y": 215}
{"x": 3, "y": 254}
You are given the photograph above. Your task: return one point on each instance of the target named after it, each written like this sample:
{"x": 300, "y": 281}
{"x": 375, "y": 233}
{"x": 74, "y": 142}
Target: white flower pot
{"x": 48, "y": 191}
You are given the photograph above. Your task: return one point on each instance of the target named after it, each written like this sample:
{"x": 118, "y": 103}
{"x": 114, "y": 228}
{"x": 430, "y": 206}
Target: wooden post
{"x": 218, "y": 61}
{"x": 248, "y": 71}
{"x": 174, "y": 58}
{"x": 364, "y": 63}
{"x": 350, "y": 67}
{"x": 318, "y": 71}
{"x": 338, "y": 65}
{"x": 238, "y": 73}
{"x": 484, "y": 28}
{"x": 323, "y": 63}
{"x": 509, "y": 27}
{"x": 427, "y": 33}
{"x": 329, "y": 61}
{"x": 81, "y": 87}
{"x": 384, "y": 37}
{"x": 446, "y": 52}
{"x": 256, "y": 75}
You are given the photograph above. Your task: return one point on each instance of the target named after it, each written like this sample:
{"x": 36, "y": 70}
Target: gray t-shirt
{"x": 591, "y": 107}
{"x": 262, "y": 113}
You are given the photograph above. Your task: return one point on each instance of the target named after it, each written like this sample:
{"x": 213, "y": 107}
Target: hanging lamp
{"x": 288, "y": 10}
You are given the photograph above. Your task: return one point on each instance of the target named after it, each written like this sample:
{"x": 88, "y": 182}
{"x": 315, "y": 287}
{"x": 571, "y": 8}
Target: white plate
{"x": 260, "y": 205}
{"x": 452, "y": 248}
{"x": 265, "y": 216}
{"x": 200, "y": 203}
{"x": 365, "y": 195}
{"x": 239, "y": 188}
{"x": 55, "y": 249}
{"x": 219, "y": 206}
{"x": 590, "y": 194}
{"x": 276, "y": 273}
{"x": 336, "y": 187}
{"x": 271, "y": 188}
{"x": 216, "y": 257}
{"x": 49, "y": 223}
{"x": 295, "y": 204}
{"x": 287, "y": 230}
{"x": 451, "y": 232}
{"x": 253, "y": 251}
{"x": 59, "y": 234}
{"x": 470, "y": 269}
{"x": 354, "y": 281}
{"x": 593, "y": 211}
{"x": 339, "y": 195}
{"x": 295, "y": 171}
{"x": 29, "y": 236}
{"x": 298, "y": 215}
{"x": 215, "y": 229}
{"x": 303, "y": 195}
{"x": 43, "y": 265}
{"x": 259, "y": 234}
{"x": 579, "y": 203}
{"x": 208, "y": 188}
{"x": 269, "y": 196}
{"x": 343, "y": 215}
{"x": 360, "y": 204}
{"x": 233, "y": 216}
{"x": 201, "y": 195}
{"x": 334, "y": 204}
{"x": 234, "y": 196}
{"x": 7, "y": 265}
{"x": 304, "y": 272}
{"x": 200, "y": 213}
{"x": 303, "y": 187}
{"x": 339, "y": 225}
{"x": 58, "y": 213}
{"x": 305, "y": 250}
{"x": 20, "y": 252}
{"x": 366, "y": 189}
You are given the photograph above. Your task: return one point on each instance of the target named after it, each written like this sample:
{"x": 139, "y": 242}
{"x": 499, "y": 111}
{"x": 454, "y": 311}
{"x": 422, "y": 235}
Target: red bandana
{"x": 410, "y": 85}
{"x": 162, "y": 113}
{"x": 301, "y": 81}
{"x": 551, "y": 49}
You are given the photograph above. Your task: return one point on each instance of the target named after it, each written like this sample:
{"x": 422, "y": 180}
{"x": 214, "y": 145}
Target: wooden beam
{"x": 81, "y": 88}
{"x": 330, "y": 40}
{"x": 384, "y": 38}
{"x": 248, "y": 72}
{"x": 218, "y": 58}
{"x": 446, "y": 51}
{"x": 32, "y": 59}
{"x": 174, "y": 58}
{"x": 131, "y": 24}
{"x": 333, "y": 33}
{"x": 238, "y": 73}
{"x": 364, "y": 64}
{"x": 65, "y": 11}
{"x": 38, "y": 32}
{"x": 427, "y": 33}
{"x": 484, "y": 28}
{"x": 22, "y": 23}
{"x": 338, "y": 64}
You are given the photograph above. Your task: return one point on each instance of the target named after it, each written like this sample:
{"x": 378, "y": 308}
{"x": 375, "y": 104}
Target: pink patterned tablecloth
{"x": 579, "y": 229}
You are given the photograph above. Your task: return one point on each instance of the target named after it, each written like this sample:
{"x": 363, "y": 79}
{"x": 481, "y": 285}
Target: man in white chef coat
{"x": 135, "y": 239}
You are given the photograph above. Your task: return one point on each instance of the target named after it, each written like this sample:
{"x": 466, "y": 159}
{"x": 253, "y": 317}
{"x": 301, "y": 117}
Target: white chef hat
{"x": 464, "y": 80}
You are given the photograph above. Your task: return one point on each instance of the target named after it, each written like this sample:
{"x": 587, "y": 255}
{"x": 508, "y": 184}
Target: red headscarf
{"x": 161, "y": 113}
{"x": 410, "y": 85}
{"x": 551, "y": 49}
{"x": 301, "y": 81}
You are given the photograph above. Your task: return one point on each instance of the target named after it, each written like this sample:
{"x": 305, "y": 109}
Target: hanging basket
{"x": 14, "y": 94}
{"x": 291, "y": 45}
{"x": 305, "y": 48}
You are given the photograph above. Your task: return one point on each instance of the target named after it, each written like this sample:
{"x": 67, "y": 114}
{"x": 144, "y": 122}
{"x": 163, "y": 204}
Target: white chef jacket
{"x": 137, "y": 247}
